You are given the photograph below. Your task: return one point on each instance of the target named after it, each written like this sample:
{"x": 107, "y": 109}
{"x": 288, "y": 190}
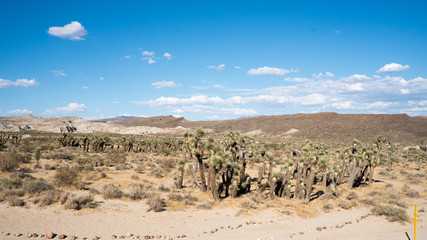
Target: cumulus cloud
{"x": 167, "y": 55}
{"x": 127, "y": 56}
{"x": 219, "y": 67}
{"x": 268, "y": 71}
{"x": 101, "y": 78}
{"x": 149, "y": 60}
{"x": 85, "y": 87}
{"x": 4, "y": 83}
{"x": 164, "y": 84}
{"x": 297, "y": 79}
{"x": 73, "y": 31}
{"x": 19, "y": 112}
{"x": 58, "y": 73}
{"x": 237, "y": 67}
{"x": 148, "y": 54}
{"x": 356, "y": 78}
{"x": 393, "y": 67}
{"x": 70, "y": 108}
{"x": 323, "y": 75}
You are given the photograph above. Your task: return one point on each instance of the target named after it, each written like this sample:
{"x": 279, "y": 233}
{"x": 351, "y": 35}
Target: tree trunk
{"x": 203, "y": 185}
{"x": 213, "y": 184}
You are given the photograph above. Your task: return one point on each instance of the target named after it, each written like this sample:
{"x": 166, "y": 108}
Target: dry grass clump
{"x": 50, "y": 198}
{"x": 66, "y": 176}
{"x": 111, "y": 191}
{"x": 138, "y": 192}
{"x": 115, "y": 158}
{"x": 167, "y": 163}
{"x": 352, "y": 196}
{"x": 187, "y": 199}
{"x": 36, "y": 187}
{"x": 9, "y": 161}
{"x": 408, "y": 192}
{"x": 346, "y": 204}
{"x": 247, "y": 204}
{"x": 368, "y": 202}
{"x": 205, "y": 205}
{"x": 156, "y": 204}
{"x": 157, "y": 172}
{"x": 15, "y": 201}
{"x": 391, "y": 213}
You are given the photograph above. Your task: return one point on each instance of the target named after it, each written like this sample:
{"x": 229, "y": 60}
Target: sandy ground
{"x": 117, "y": 217}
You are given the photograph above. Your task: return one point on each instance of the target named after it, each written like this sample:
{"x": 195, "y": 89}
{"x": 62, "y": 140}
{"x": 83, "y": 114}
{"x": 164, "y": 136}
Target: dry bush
{"x": 137, "y": 192}
{"x": 351, "y": 196}
{"x": 50, "y": 198}
{"x": 328, "y": 206}
{"x": 66, "y": 176}
{"x": 391, "y": 213}
{"x": 111, "y": 191}
{"x": 78, "y": 203}
{"x": 167, "y": 163}
{"x": 35, "y": 187}
{"x": 248, "y": 204}
{"x": 6, "y": 193}
{"x": 11, "y": 183}
{"x": 115, "y": 158}
{"x": 408, "y": 192}
{"x": 163, "y": 188}
{"x": 175, "y": 197}
{"x": 346, "y": 204}
{"x": 157, "y": 172}
{"x": 205, "y": 205}
{"x": 368, "y": 202}
{"x": 156, "y": 204}
{"x": 9, "y": 161}
{"x": 61, "y": 156}
{"x": 15, "y": 201}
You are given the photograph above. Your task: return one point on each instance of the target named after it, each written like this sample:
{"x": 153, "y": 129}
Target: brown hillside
{"x": 159, "y": 121}
{"x": 330, "y": 126}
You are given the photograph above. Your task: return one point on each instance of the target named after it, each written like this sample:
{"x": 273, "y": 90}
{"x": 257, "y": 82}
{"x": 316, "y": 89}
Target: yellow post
{"x": 415, "y": 223}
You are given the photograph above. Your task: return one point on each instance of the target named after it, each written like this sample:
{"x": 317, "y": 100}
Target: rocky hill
{"x": 319, "y": 126}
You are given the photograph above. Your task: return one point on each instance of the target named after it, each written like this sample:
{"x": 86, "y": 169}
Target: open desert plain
{"x": 189, "y": 119}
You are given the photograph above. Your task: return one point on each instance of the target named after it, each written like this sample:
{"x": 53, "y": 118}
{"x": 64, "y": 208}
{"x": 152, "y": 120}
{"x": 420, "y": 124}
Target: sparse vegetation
{"x": 111, "y": 191}
{"x": 391, "y": 213}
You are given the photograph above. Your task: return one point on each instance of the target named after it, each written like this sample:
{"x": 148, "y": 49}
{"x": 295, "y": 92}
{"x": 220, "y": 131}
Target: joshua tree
{"x": 37, "y": 154}
{"x": 197, "y": 146}
{"x": 181, "y": 169}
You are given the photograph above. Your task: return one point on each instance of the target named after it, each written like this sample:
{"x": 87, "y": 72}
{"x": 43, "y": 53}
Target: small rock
{"x": 29, "y": 235}
{"x": 48, "y": 235}
{"x": 146, "y": 237}
{"x": 96, "y": 238}
{"x": 114, "y": 236}
{"x": 319, "y": 229}
{"x": 183, "y": 236}
{"x": 301, "y": 233}
{"x": 73, "y": 237}
{"x": 240, "y": 225}
{"x": 61, "y": 236}
{"x": 357, "y": 221}
{"x": 324, "y": 227}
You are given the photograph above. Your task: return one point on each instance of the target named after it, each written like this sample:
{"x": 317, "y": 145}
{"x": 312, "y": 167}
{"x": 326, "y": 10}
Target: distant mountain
{"x": 159, "y": 121}
{"x": 115, "y": 118}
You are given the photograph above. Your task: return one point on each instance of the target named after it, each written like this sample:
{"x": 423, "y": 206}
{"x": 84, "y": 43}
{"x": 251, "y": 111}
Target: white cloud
{"x": 163, "y": 84}
{"x": 237, "y": 67}
{"x": 418, "y": 103}
{"x": 57, "y": 73}
{"x": 18, "y": 83}
{"x": 149, "y": 60}
{"x": 148, "y": 54}
{"x": 73, "y": 31}
{"x": 85, "y": 87}
{"x": 217, "y": 86}
{"x": 19, "y": 112}
{"x": 268, "y": 71}
{"x": 356, "y": 78}
{"x": 127, "y": 57}
{"x": 337, "y": 32}
{"x": 115, "y": 102}
{"x": 356, "y": 87}
{"x": 219, "y": 67}
{"x": 393, "y": 67}
{"x": 404, "y": 91}
{"x": 296, "y": 79}
{"x": 343, "y": 105}
{"x": 380, "y": 104}
{"x": 323, "y": 75}
{"x": 70, "y": 108}
{"x": 167, "y": 55}
{"x": 101, "y": 78}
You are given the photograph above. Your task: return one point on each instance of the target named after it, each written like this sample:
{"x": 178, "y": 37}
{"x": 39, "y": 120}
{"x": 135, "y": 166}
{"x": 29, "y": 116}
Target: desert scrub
{"x": 111, "y": 191}
{"x": 66, "y": 176}
{"x": 50, "y": 198}
{"x": 411, "y": 193}
{"x": 15, "y": 202}
{"x": 137, "y": 192}
{"x": 78, "y": 203}
{"x": 115, "y": 158}
{"x": 9, "y": 161}
{"x": 346, "y": 204}
{"x": 156, "y": 203}
{"x": 247, "y": 204}
{"x": 36, "y": 187}
{"x": 391, "y": 213}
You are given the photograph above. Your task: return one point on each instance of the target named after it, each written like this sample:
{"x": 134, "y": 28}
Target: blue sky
{"x": 212, "y": 59}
